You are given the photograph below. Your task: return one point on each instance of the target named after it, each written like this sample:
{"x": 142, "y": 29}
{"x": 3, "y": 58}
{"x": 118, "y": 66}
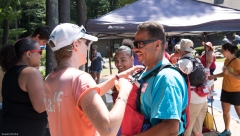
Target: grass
{"x": 106, "y": 72}
{"x": 220, "y": 59}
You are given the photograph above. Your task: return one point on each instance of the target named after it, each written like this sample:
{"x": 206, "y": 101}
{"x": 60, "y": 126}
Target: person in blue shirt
{"x": 164, "y": 96}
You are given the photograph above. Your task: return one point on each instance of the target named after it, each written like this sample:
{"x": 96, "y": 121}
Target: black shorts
{"x": 211, "y": 73}
{"x": 230, "y": 97}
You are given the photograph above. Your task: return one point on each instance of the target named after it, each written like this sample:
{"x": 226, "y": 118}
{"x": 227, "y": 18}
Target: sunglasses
{"x": 82, "y": 29}
{"x": 39, "y": 51}
{"x": 140, "y": 44}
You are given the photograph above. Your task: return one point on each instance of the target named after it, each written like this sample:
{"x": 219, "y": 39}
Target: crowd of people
{"x": 151, "y": 94}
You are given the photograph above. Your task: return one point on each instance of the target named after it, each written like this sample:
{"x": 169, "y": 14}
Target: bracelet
{"x": 117, "y": 76}
{"x": 120, "y": 98}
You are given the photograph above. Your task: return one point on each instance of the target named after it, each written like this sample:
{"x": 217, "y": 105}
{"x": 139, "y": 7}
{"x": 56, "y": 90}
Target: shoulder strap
{"x": 152, "y": 73}
{"x": 231, "y": 61}
{"x": 192, "y": 59}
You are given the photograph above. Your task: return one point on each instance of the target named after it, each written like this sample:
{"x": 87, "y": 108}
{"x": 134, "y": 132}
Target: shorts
{"x": 211, "y": 73}
{"x": 230, "y": 97}
{"x": 197, "y": 114}
{"x": 98, "y": 71}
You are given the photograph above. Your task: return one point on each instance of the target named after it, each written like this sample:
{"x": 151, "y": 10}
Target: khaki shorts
{"x": 197, "y": 114}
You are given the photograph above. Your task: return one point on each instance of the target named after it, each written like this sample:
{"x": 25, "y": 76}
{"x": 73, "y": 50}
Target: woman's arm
{"x": 107, "y": 85}
{"x": 215, "y": 76}
{"x": 31, "y": 81}
{"x": 236, "y": 76}
{"x": 209, "y": 59}
{"x": 106, "y": 123}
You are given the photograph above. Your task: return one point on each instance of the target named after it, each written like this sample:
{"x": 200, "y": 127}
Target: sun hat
{"x": 64, "y": 35}
{"x": 209, "y": 44}
{"x": 186, "y": 45}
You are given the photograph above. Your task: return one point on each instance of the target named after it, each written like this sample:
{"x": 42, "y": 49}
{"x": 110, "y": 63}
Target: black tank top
{"x": 16, "y": 102}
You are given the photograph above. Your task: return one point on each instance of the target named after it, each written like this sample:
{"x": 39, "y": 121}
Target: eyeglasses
{"x": 82, "y": 29}
{"x": 140, "y": 44}
{"x": 39, "y": 51}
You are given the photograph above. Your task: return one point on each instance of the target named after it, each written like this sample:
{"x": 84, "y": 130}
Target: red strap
{"x": 189, "y": 98}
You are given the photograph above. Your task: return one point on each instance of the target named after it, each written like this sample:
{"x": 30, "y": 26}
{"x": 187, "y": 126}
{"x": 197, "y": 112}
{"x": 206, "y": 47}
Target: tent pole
{"x": 204, "y": 39}
{"x": 109, "y": 56}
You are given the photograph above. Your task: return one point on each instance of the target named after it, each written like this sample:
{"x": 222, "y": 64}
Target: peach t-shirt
{"x": 231, "y": 84}
{"x": 62, "y": 91}
{"x": 174, "y": 58}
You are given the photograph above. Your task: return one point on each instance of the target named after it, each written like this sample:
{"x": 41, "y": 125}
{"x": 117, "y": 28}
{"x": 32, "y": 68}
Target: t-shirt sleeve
{"x": 236, "y": 66}
{"x": 99, "y": 54}
{"x": 168, "y": 101}
{"x": 185, "y": 65}
{"x": 82, "y": 84}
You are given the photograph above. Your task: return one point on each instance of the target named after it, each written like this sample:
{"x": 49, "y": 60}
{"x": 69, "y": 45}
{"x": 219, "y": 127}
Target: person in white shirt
{"x": 198, "y": 105}
{"x": 236, "y": 38}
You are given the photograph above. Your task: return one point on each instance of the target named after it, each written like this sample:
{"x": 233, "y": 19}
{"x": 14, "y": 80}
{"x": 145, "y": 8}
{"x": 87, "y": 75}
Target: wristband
{"x": 120, "y": 98}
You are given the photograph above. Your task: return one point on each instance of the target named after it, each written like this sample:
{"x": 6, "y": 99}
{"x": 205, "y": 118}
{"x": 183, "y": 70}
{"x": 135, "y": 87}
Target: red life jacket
{"x": 133, "y": 120}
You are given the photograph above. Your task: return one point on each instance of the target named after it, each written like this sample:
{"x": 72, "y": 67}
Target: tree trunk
{"x": 16, "y": 21}
{"x": 64, "y": 11}
{"x": 115, "y": 4}
{"x": 81, "y": 9}
{"x": 5, "y": 31}
{"x": 52, "y": 22}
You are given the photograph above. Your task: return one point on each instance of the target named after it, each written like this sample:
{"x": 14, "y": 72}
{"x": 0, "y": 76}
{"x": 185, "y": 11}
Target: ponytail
{"x": 8, "y": 57}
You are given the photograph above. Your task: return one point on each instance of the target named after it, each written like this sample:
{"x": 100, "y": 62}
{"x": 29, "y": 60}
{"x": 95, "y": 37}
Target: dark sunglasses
{"x": 39, "y": 51}
{"x": 140, "y": 44}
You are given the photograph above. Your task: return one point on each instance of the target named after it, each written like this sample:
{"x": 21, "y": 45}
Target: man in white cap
{"x": 198, "y": 105}
{"x": 72, "y": 98}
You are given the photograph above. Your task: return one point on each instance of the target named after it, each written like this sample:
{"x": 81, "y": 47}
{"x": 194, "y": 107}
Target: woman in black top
{"x": 22, "y": 90}
{"x": 96, "y": 65}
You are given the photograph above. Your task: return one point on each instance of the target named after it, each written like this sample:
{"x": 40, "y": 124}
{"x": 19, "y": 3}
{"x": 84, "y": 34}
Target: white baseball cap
{"x": 64, "y": 35}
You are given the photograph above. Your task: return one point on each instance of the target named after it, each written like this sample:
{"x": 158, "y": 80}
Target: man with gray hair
{"x": 163, "y": 96}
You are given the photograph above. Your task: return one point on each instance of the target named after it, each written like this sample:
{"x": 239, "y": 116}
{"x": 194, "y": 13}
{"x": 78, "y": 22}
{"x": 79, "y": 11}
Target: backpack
{"x": 197, "y": 77}
{"x": 185, "y": 112}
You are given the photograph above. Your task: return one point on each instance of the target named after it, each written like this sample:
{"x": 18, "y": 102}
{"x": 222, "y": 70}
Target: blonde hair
{"x": 63, "y": 53}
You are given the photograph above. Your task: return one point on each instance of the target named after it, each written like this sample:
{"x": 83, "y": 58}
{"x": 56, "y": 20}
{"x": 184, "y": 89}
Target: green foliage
{"x": 199, "y": 50}
{"x": 13, "y": 34}
{"x": 43, "y": 72}
{"x": 7, "y": 10}
{"x": 238, "y": 52}
{"x": 97, "y": 8}
{"x": 125, "y": 2}
{"x": 43, "y": 64}
{"x": 43, "y": 59}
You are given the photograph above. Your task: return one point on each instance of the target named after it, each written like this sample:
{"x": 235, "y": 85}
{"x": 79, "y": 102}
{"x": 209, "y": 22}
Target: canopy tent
{"x": 179, "y": 17}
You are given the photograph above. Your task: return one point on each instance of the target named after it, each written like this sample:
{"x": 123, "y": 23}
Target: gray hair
{"x": 155, "y": 30}
{"x": 126, "y": 49}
